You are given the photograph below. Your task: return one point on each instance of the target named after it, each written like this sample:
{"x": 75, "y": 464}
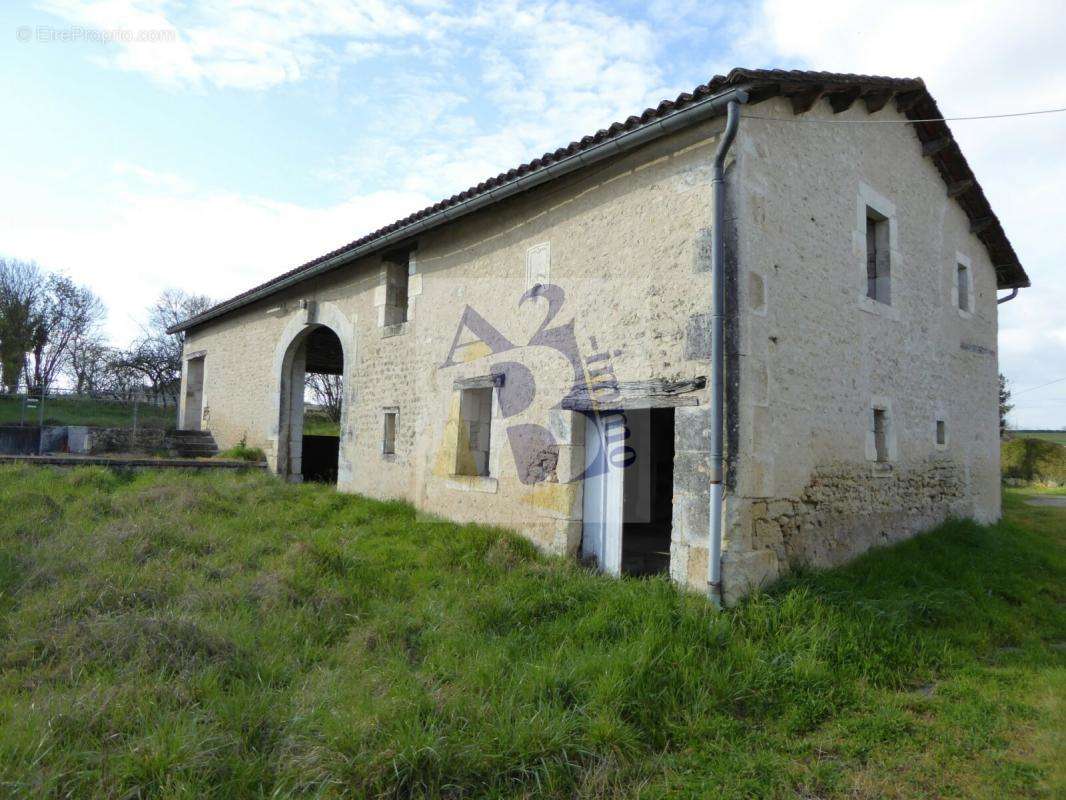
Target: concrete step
{"x": 192, "y": 444}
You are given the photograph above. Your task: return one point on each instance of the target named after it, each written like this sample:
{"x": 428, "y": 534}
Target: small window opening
{"x": 475, "y": 409}
{"x": 881, "y": 434}
{"x": 877, "y": 257}
{"x": 963, "y": 282}
{"x": 941, "y": 432}
{"x": 388, "y": 438}
{"x": 396, "y": 278}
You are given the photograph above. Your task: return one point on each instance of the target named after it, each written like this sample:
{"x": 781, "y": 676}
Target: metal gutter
{"x": 690, "y": 115}
{"x": 717, "y": 376}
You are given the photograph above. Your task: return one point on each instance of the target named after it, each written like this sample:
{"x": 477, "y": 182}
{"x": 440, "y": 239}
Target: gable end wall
{"x": 816, "y": 356}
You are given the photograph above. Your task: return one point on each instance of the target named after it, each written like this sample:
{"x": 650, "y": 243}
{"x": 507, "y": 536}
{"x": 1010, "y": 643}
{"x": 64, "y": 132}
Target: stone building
{"x": 535, "y": 352}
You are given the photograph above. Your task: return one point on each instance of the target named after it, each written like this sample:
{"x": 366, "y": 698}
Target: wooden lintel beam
{"x": 842, "y": 100}
{"x": 803, "y": 100}
{"x": 959, "y": 187}
{"x": 934, "y": 146}
{"x": 981, "y": 224}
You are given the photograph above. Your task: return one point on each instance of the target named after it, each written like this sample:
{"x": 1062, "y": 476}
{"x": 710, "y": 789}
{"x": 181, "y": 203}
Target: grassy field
{"x": 170, "y": 635}
{"x": 317, "y": 423}
{"x": 100, "y": 413}
{"x": 1059, "y": 437}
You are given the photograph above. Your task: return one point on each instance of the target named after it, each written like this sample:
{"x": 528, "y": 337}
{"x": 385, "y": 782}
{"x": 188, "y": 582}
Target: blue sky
{"x": 229, "y": 141}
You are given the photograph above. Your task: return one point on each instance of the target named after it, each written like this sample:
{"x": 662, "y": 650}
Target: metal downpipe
{"x": 717, "y": 379}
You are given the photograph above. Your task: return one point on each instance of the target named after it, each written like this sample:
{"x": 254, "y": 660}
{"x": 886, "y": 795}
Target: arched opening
{"x": 312, "y": 391}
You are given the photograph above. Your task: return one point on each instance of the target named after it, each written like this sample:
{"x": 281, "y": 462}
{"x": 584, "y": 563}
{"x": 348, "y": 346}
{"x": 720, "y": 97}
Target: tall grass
{"x": 235, "y": 636}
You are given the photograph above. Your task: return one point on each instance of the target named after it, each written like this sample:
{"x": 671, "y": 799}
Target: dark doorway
{"x": 648, "y": 504}
{"x": 322, "y": 386}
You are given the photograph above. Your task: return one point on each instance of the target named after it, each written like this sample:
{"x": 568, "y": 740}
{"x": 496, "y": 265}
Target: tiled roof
{"x": 803, "y": 88}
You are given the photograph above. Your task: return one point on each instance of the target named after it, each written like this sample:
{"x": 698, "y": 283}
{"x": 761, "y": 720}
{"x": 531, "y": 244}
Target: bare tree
{"x": 88, "y": 363}
{"x": 326, "y": 392}
{"x": 41, "y": 318}
{"x": 119, "y": 380}
{"x": 157, "y": 354}
{"x": 67, "y": 314}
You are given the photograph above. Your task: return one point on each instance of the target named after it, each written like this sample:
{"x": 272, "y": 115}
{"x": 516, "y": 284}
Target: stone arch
{"x": 289, "y": 369}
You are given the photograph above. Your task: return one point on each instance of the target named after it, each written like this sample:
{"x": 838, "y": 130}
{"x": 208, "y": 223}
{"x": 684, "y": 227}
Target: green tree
{"x": 1004, "y": 405}
{"x": 22, "y": 286}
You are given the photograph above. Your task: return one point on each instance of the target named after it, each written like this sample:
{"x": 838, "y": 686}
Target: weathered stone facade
{"x": 809, "y": 357}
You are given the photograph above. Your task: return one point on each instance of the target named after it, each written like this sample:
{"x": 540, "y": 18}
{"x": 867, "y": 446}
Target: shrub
{"x": 243, "y": 452}
{"x": 1034, "y": 461}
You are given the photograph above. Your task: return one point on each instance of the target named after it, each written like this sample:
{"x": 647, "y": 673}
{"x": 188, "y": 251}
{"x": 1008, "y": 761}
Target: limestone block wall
{"x": 817, "y": 356}
{"x": 626, "y": 246}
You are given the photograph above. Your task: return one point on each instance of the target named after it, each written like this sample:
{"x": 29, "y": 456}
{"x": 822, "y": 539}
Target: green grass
{"x": 1059, "y": 437}
{"x": 219, "y": 636}
{"x": 317, "y": 423}
{"x": 97, "y": 413}
{"x": 242, "y": 452}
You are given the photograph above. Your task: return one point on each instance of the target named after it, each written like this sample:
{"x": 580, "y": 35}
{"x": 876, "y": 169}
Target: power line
{"x": 1041, "y": 386}
{"x": 799, "y": 118}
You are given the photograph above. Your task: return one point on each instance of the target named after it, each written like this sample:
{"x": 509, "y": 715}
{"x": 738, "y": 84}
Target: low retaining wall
{"x": 19, "y": 440}
{"x": 128, "y": 462}
{"x": 31, "y": 440}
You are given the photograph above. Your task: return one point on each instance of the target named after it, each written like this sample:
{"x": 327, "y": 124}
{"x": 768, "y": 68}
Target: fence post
{"x": 133, "y": 433}
{"x": 40, "y": 424}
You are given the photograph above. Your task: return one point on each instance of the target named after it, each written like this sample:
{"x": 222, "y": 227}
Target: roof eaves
{"x": 804, "y": 87}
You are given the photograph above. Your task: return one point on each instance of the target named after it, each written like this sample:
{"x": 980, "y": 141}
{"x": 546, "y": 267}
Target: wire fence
{"x": 56, "y": 407}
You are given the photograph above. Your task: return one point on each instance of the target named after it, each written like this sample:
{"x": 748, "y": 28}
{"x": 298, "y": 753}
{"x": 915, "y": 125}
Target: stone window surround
{"x": 962, "y": 260}
{"x": 538, "y": 265}
{"x": 488, "y": 484}
{"x": 382, "y": 297}
{"x": 881, "y": 403}
{"x": 388, "y": 455}
{"x": 868, "y": 197}
{"x": 941, "y": 416}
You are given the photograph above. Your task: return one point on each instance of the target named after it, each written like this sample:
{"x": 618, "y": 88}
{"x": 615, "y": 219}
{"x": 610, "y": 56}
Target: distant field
{"x": 316, "y": 423}
{"x": 1059, "y": 437}
{"x": 100, "y": 413}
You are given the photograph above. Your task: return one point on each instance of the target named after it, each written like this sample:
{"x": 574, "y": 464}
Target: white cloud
{"x": 474, "y": 90}
{"x": 976, "y": 58}
{"x": 155, "y": 231}
{"x": 238, "y": 45}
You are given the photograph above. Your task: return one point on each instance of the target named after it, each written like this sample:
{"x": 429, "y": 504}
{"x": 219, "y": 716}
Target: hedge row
{"x": 1034, "y": 460}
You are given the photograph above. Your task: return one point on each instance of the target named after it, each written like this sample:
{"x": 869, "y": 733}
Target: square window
{"x": 475, "y": 435}
{"x": 878, "y": 261}
{"x": 388, "y": 438}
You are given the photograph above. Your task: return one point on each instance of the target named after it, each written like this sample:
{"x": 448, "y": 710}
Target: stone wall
{"x": 627, "y": 244}
{"x": 125, "y": 440}
{"x": 817, "y": 356}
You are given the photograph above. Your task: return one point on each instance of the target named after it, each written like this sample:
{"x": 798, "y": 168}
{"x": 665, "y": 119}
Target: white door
{"x": 602, "y": 530}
